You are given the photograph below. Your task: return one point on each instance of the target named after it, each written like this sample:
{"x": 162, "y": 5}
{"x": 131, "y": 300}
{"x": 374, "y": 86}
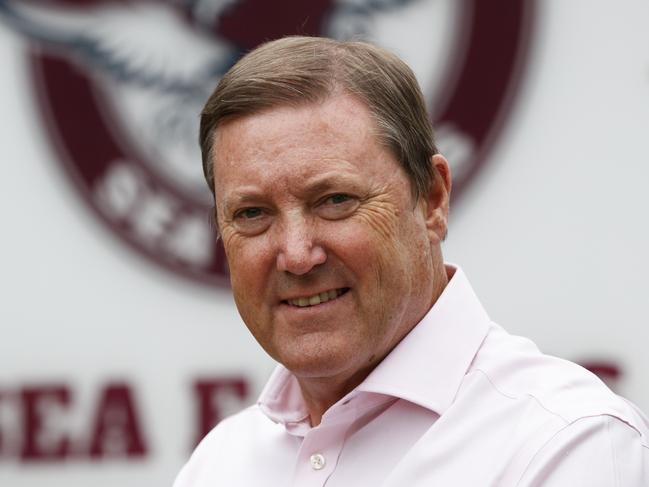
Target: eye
{"x": 337, "y": 199}
{"x": 337, "y": 206}
{"x": 248, "y": 213}
{"x": 252, "y": 220}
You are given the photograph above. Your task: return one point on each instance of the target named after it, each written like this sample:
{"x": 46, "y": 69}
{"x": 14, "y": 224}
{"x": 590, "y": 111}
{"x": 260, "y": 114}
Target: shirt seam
{"x": 608, "y": 417}
{"x": 535, "y": 398}
{"x": 616, "y": 473}
{"x": 557, "y": 414}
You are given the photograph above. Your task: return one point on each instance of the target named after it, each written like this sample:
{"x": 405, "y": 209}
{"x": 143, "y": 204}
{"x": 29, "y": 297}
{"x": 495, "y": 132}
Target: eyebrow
{"x": 327, "y": 181}
{"x": 241, "y": 197}
{"x": 319, "y": 184}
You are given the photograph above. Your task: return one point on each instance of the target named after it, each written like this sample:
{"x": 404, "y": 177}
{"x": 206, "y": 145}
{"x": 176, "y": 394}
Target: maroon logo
{"x": 120, "y": 85}
{"x": 112, "y": 427}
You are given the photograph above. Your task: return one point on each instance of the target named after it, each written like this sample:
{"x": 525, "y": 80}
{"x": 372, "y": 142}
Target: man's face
{"x": 331, "y": 259}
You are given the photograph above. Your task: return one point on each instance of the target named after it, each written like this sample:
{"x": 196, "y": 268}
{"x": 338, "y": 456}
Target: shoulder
{"x": 518, "y": 371}
{"x": 230, "y": 448}
{"x": 598, "y": 451}
{"x": 561, "y": 420}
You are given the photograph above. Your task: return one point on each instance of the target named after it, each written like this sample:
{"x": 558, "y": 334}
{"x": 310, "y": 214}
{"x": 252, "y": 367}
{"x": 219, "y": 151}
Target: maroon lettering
{"x": 609, "y": 372}
{"x": 41, "y": 443}
{"x": 116, "y": 430}
{"x": 211, "y": 395}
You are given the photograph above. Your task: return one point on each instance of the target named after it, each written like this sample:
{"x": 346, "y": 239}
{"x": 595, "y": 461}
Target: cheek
{"x": 250, "y": 304}
{"x": 241, "y": 283}
{"x": 250, "y": 264}
{"x": 402, "y": 259}
{"x": 372, "y": 253}
{"x": 415, "y": 252}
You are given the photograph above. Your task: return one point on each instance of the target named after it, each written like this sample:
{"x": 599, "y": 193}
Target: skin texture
{"x": 308, "y": 201}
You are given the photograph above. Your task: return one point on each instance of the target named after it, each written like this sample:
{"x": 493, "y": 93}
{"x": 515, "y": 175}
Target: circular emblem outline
{"x": 170, "y": 230}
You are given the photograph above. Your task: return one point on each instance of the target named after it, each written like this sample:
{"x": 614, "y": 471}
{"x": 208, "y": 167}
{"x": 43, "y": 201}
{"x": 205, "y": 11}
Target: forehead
{"x": 340, "y": 115}
{"x": 337, "y": 134}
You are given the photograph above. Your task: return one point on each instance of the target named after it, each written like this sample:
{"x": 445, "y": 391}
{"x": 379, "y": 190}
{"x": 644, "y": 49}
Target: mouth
{"x": 316, "y": 299}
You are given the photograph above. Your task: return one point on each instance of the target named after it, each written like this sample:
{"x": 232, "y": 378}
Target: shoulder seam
{"x": 512, "y": 397}
{"x": 556, "y": 433}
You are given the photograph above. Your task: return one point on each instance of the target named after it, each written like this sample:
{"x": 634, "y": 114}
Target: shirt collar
{"x": 426, "y": 368}
{"x": 281, "y": 399}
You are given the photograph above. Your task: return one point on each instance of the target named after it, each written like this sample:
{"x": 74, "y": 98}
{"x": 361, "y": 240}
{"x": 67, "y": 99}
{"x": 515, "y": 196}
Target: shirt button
{"x": 317, "y": 461}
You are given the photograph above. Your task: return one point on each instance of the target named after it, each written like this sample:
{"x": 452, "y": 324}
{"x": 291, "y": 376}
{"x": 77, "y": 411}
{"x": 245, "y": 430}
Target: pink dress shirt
{"x": 458, "y": 403}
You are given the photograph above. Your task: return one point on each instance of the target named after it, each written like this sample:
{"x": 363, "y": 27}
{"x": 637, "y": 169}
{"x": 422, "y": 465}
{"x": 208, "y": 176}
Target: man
{"x": 332, "y": 203}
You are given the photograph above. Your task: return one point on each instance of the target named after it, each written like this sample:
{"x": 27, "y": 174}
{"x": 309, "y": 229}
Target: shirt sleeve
{"x": 598, "y": 451}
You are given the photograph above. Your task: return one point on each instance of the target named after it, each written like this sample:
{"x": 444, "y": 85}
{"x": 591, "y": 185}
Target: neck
{"x": 320, "y": 393}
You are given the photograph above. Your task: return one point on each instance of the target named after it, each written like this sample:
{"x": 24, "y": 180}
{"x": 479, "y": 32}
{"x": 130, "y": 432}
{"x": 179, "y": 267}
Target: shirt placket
{"x": 320, "y": 450}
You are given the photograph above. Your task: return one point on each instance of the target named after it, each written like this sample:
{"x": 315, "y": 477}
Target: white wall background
{"x": 553, "y": 234}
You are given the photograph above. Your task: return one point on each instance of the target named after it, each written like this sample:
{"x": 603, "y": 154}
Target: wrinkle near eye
{"x": 381, "y": 214}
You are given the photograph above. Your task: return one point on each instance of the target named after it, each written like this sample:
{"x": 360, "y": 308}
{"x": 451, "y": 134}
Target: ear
{"x": 437, "y": 200}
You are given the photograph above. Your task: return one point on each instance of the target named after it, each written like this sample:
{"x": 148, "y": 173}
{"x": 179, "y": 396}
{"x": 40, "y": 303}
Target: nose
{"x": 299, "y": 250}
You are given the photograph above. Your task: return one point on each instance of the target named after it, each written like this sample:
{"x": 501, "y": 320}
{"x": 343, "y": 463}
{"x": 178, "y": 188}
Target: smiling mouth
{"x": 323, "y": 297}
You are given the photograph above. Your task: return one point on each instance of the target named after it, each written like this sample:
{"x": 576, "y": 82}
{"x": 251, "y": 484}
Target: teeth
{"x": 322, "y": 297}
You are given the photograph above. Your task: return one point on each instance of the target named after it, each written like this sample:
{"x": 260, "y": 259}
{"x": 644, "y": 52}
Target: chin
{"x": 321, "y": 363}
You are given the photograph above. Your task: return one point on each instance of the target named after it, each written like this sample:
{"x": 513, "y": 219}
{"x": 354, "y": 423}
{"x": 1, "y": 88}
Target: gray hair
{"x": 296, "y": 70}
